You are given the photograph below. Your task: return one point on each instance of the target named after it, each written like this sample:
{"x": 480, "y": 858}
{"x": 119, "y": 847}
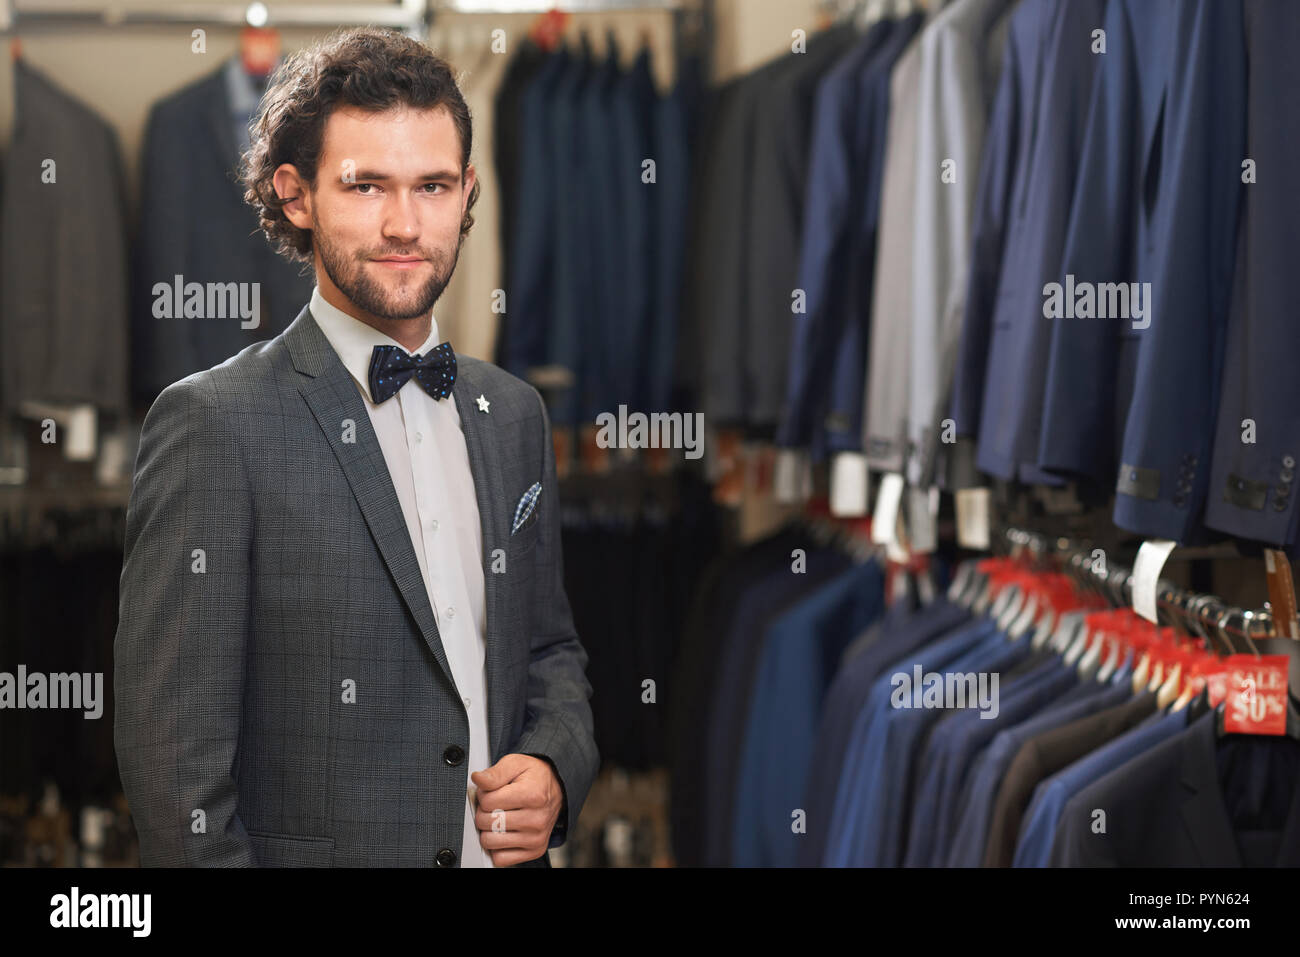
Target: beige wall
{"x": 122, "y": 71}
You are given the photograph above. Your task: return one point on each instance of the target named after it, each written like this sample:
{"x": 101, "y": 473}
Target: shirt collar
{"x": 244, "y": 97}
{"x": 355, "y": 342}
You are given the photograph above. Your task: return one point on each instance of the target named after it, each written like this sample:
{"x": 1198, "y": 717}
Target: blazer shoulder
{"x": 244, "y": 383}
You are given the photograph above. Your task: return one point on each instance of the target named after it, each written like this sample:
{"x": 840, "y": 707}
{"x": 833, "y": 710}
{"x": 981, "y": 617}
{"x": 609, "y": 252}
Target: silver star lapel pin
{"x": 482, "y": 403}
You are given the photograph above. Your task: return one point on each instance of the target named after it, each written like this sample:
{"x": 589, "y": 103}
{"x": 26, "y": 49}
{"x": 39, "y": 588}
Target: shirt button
{"x": 419, "y": 437}
{"x": 433, "y": 524}
{"x": 467, "y": 702}
{"x": 451, "y": 612}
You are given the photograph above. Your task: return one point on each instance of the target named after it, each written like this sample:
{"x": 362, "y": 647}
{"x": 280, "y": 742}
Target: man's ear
{"x": 288, "y": 184}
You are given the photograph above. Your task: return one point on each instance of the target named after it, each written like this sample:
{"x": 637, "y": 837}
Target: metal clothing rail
{"x": 1197, "y": 613}
{"x": 565, "y": 6}
{"x": 407, "y": 14}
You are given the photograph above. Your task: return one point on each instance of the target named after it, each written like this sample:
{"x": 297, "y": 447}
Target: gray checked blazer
{"x": 267, "y": 564}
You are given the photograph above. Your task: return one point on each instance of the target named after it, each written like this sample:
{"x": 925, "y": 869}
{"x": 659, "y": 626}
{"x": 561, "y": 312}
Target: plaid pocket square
{"x": 526, "y": 505}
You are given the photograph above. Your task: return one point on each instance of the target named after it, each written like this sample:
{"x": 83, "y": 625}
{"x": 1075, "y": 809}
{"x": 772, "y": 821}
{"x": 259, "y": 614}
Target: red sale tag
{"x": 1256, "y": 694}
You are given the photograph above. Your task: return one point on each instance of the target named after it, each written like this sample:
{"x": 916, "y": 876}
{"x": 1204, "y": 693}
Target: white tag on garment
{"x": 79, "y": 435}
{"x": 973, "y": 518}
{"x": 786, "y": 482}
{"x": 1146, "y": 576}
{"x": 884, "y": 523}
{"x": 849, "y": 485}
{"x": 922, "y": 516}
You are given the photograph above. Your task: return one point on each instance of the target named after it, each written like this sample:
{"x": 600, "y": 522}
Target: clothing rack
{"x": 1198, "y": 613}
{"x": 406, "y": 14}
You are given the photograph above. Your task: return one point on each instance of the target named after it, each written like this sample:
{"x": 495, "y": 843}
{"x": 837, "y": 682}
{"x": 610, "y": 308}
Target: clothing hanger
{"x": 961, "y": 582}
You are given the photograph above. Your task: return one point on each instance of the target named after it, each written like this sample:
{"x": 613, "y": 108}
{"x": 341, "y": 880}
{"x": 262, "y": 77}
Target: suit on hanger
{"x": 845, "y": 699}
{"x": 63, "y": 262}
{"x": 507, "y": 151}
{"x": 961, "y": 60}
{"x": 531, "y": 269}
{"x": 1251, "y": 483}
{"x": 1039, "y": 822}
{"x": 747, "y": 273}
{"x": 194, "y": 223}
{"x": 843, "y": 164}
{"x": 1174, "y": 807}
{"x": 1031, "y": 164}
{"x": 1156, "y": 203}
{"x": 789, "y": 687}
{"x": 1046, "y": 754}
{"x": 228, "y": 683}
{"x": 971, "y": 836}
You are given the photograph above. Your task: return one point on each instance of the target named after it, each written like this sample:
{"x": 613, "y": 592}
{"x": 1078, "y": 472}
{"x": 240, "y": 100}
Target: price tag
{"x": 1256, "y": 694}
{"x": 79, "y": 437}
{"x": 788, "y": 485}
{"x": 1146, "y": 576}
{"x": 849, "y": 485}
{"x": 973, "y": 518}
{"x": 922, "y": 519}
{"x": 884, "y": 523}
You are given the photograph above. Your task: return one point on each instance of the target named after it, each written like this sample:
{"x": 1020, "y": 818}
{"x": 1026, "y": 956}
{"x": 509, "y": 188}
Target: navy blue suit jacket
{"x": 1157, "y": 203}
{"x": 1251, "y": 483}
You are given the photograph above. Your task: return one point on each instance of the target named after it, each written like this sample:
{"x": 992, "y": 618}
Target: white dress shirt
{"x": 424, "y": 447}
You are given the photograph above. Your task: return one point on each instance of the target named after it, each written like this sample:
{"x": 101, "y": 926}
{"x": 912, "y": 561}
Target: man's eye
{"x": 360, "y": 186}
{"x": 434, "y": 186}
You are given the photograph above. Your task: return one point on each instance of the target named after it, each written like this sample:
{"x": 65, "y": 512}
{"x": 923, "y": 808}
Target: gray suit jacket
{"x": 236, "y": 739}
{"x": 63, "y": 263}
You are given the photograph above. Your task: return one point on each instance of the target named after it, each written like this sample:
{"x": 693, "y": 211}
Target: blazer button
{"x": 446, "y": 857}
{"x": 1280, "y": 504}
{"x": 1288, "y": 461}
{"x": 454, "y": 755}
{"x": 1286, "y": 475}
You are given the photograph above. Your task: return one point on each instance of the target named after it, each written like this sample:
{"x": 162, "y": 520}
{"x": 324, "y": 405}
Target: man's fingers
{"x": 521, "y": 819}
{"x": 503, "y": 846}
{"x": 516, "y": 795}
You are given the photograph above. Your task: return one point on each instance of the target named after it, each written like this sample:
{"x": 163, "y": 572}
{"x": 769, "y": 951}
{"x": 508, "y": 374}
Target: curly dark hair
{"x": 368, "y": 67}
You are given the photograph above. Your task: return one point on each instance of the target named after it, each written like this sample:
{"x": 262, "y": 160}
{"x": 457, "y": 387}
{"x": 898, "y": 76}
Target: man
{"x": 343, "y": 635}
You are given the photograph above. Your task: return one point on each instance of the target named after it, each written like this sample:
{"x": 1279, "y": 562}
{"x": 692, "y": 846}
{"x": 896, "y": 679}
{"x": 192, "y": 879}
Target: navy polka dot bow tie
{"x": 390, "y": 367}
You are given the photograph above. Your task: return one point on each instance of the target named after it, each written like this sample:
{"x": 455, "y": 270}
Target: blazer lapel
{"x": 483, "y": 446}
{"x": 331, "y": 394}
{"x": 1204, "y": 815}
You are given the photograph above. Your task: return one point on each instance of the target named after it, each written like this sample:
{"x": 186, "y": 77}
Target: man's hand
{"x": 519, "y": 799}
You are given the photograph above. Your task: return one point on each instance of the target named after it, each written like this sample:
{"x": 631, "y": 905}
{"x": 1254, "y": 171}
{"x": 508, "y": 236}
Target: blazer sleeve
{"x": 997, "y": 180}
{"x": 182, "y": 633}
{"x": 558, "y": 726}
